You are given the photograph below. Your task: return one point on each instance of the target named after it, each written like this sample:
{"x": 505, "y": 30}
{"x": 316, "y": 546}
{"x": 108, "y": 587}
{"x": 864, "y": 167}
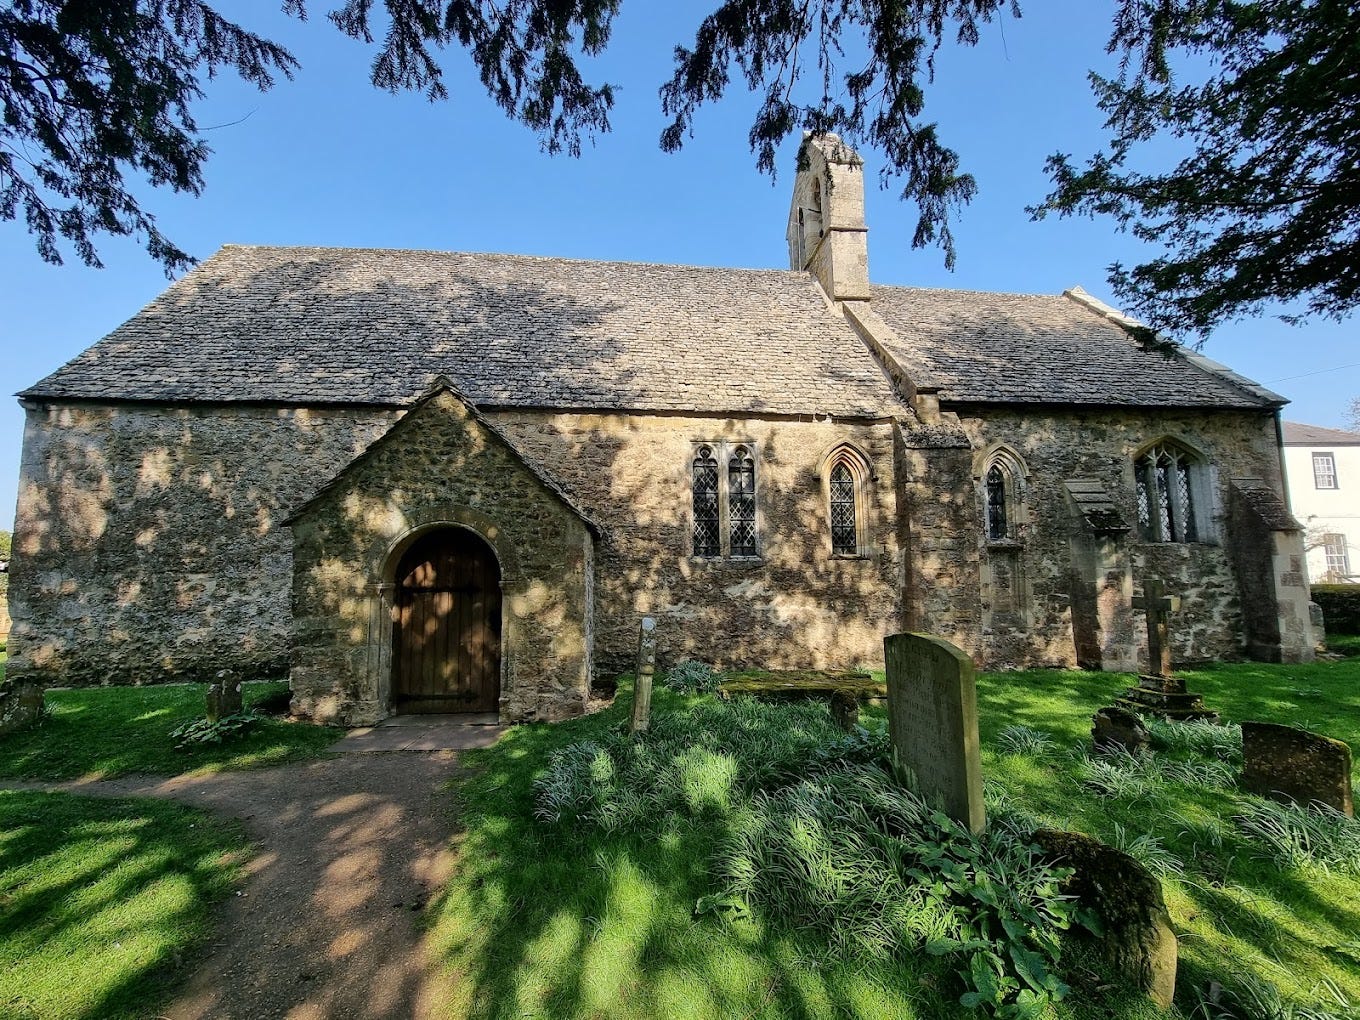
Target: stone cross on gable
{"x": 1158, "y": 606}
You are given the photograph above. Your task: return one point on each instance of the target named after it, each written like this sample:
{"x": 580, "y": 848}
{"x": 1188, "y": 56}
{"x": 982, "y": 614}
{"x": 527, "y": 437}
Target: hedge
{"x": 1340, "y": 607}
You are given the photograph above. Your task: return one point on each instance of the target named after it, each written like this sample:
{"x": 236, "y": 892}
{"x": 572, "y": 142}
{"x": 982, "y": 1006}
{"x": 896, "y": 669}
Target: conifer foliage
{"x": 1262, "y": 100}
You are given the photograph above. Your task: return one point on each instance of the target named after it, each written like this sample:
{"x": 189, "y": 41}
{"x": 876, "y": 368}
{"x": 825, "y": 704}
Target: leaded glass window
{"x": 707, "y": 530}
{"x": 741, "y": 502}
{"x": 1166, "y": 502}
{"x": 844, "y": 524}
{"x": 997, "y": 525}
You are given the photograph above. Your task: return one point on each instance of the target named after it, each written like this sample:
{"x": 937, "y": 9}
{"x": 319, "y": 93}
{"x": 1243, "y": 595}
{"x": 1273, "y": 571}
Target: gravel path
{"x": 349, "y": 850}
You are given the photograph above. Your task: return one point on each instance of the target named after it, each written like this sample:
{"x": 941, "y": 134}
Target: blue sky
{"x": 328, "y": 160}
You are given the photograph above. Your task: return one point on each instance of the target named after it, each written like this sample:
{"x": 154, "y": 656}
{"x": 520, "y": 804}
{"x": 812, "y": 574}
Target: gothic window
{"x": 741, "y": 502}
{"x": 706, "y": 510}
{"x": 1166, "y": 494}
{"x": 1002, "y": 509}
{"x": 724, "y": 513}
{"x": 997, "y": 528}
{"x": 844, "y": 522}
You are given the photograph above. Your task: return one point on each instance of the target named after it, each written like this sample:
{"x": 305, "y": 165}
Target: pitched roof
{"x": 1022, "y": 348}
{"x": 443, "y": 385}
{"x": 1298, "y": 434}
{"x": 325, "y": 325}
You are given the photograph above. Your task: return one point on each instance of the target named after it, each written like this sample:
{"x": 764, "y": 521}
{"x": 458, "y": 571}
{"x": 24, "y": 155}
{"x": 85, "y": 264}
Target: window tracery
{"x": 1164, "y": 476}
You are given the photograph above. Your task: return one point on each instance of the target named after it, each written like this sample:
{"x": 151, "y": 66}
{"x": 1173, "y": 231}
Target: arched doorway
{"x": 446, "y": 640}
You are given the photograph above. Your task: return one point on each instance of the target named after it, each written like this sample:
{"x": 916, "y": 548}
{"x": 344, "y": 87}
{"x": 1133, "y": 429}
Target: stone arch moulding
{"x": 1015, "y": 482}
{"x": 852, "y": 458}
{"x": 382, "y": 560}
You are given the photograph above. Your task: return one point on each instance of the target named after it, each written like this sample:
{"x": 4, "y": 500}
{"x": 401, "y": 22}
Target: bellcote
{"x": 826, "y": 233}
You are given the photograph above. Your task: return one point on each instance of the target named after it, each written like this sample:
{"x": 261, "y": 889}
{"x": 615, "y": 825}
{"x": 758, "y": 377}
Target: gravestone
{"x": 1137, "y": 939}
{"x": 224, "y": 696}
{"x": 932, "y": 720}
{"x": 642, "y": 683}
{"x": 21, "y": 705}
{"x": 845, "y": 710}
{"x": 1114, "y": 728}
{"x": 1287, "y": 763}
{"x": 1159, "y": 690}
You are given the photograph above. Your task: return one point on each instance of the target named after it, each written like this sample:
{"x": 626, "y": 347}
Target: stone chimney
{"x": 826, "y": 233}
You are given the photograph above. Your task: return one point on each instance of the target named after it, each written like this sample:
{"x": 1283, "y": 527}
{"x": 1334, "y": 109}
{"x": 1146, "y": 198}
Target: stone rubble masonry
{"x": 149, "y": 544}
{"x": 440, "y": 466}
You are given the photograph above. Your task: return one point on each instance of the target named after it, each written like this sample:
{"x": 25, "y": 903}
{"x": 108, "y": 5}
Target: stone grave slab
{"x": 932, "y": 719}
{"x": 1296, "y": 765}
{"x": 642, "y": 677}
{"x": 1115, "y": 728}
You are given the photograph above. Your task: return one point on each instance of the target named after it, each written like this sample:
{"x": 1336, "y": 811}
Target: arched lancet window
{"x": 1166, "y": 501}
{"x": 1003, "y": 509}
{"x": 741, "y": 502}
{"x": 707, "y": 531}
{"x": 998, "y": 520}
{"x": 844, "y": 516}
{"x": 845, "y": 473}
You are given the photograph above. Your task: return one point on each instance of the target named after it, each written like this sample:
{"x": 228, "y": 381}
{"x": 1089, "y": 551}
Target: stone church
{"x": 429, "y": 481}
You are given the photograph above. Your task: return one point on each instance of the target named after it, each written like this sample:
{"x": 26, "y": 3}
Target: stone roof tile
{"x": 361, "y": 326}
{"x": 1031, "y": 349}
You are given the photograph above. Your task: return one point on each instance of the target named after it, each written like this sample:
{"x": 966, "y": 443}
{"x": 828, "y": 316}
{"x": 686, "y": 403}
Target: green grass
{"x": 102, "y": 901}
{"x": 110, "y": 731}
{"x": 1344, "y": 644}
{"x": 571, "y": 920}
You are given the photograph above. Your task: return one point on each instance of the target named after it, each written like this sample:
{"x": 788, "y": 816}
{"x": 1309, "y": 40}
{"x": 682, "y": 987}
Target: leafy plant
{"x": 690, "y": 676}
{"x": 200, "y": 732}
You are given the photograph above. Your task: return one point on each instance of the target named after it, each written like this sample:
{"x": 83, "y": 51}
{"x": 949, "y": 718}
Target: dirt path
{"x": 349, "y": 851}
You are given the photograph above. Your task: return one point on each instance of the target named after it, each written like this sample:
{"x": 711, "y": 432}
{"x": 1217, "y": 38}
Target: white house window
{"x": 1338, "y": 557}
{"x": 741, "y": 502}
{"x": 725, "y": 522}
{"x": 1166, "y": 494}
{"x": 1324, "y": 471}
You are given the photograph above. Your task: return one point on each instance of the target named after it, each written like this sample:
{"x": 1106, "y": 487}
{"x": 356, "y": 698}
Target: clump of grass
{"x": 1147, "y": 850}
{"x": 1198, "y": 737}
{"x": 1251, "y": 997}
{"x": 689, "y": 676}
{"x": 1298, "y": 837}
{"x": 1023, "y": 740}
{"x": 1116, "y": 774}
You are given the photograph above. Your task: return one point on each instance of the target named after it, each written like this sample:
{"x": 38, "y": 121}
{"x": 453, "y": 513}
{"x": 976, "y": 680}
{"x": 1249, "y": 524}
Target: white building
{"x": 1323, "y": 470}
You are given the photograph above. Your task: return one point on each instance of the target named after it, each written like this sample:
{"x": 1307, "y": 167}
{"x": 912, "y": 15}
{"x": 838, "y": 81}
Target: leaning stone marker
{"x": 932, "y": 718}
{"x": 642, "y": 684}
{"x": 21, "y": 705}
{"x": 1117, "y": 729}
{"x": 1291, "y": 764}
{"x": 1138, "y": 940}
{"x": 224, "y": 696}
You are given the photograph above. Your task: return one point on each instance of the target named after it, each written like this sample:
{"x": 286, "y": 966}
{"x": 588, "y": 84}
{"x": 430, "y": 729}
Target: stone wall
{"x": 794, "y": 605}
{"x": 148, "y": 542}
{"x": 439, "y": 467}
{"x": 1056, "y": 445}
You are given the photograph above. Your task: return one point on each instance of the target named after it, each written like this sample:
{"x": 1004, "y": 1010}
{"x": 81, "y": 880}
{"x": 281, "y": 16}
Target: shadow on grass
{"x": 111, "y": 731}
{"x": 561, "y": 920}
{"x": 103, "y": 900}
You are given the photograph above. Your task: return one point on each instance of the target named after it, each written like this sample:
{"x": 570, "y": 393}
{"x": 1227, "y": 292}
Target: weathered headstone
{"x": 932, "y": 719}
{"x": 1114, "y": 728}
{"x": 21, "y": 705}
{"x": 224, "y": 696}
{"x": 1160, "y": 690}
{"x": 1137, "y": 939}
{"x": 1291, "y": 764}
{"x": 642, "y": 683}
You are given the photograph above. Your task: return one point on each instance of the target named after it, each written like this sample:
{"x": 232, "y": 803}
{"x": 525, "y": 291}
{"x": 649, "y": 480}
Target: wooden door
{"x": 446, "y": 644}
